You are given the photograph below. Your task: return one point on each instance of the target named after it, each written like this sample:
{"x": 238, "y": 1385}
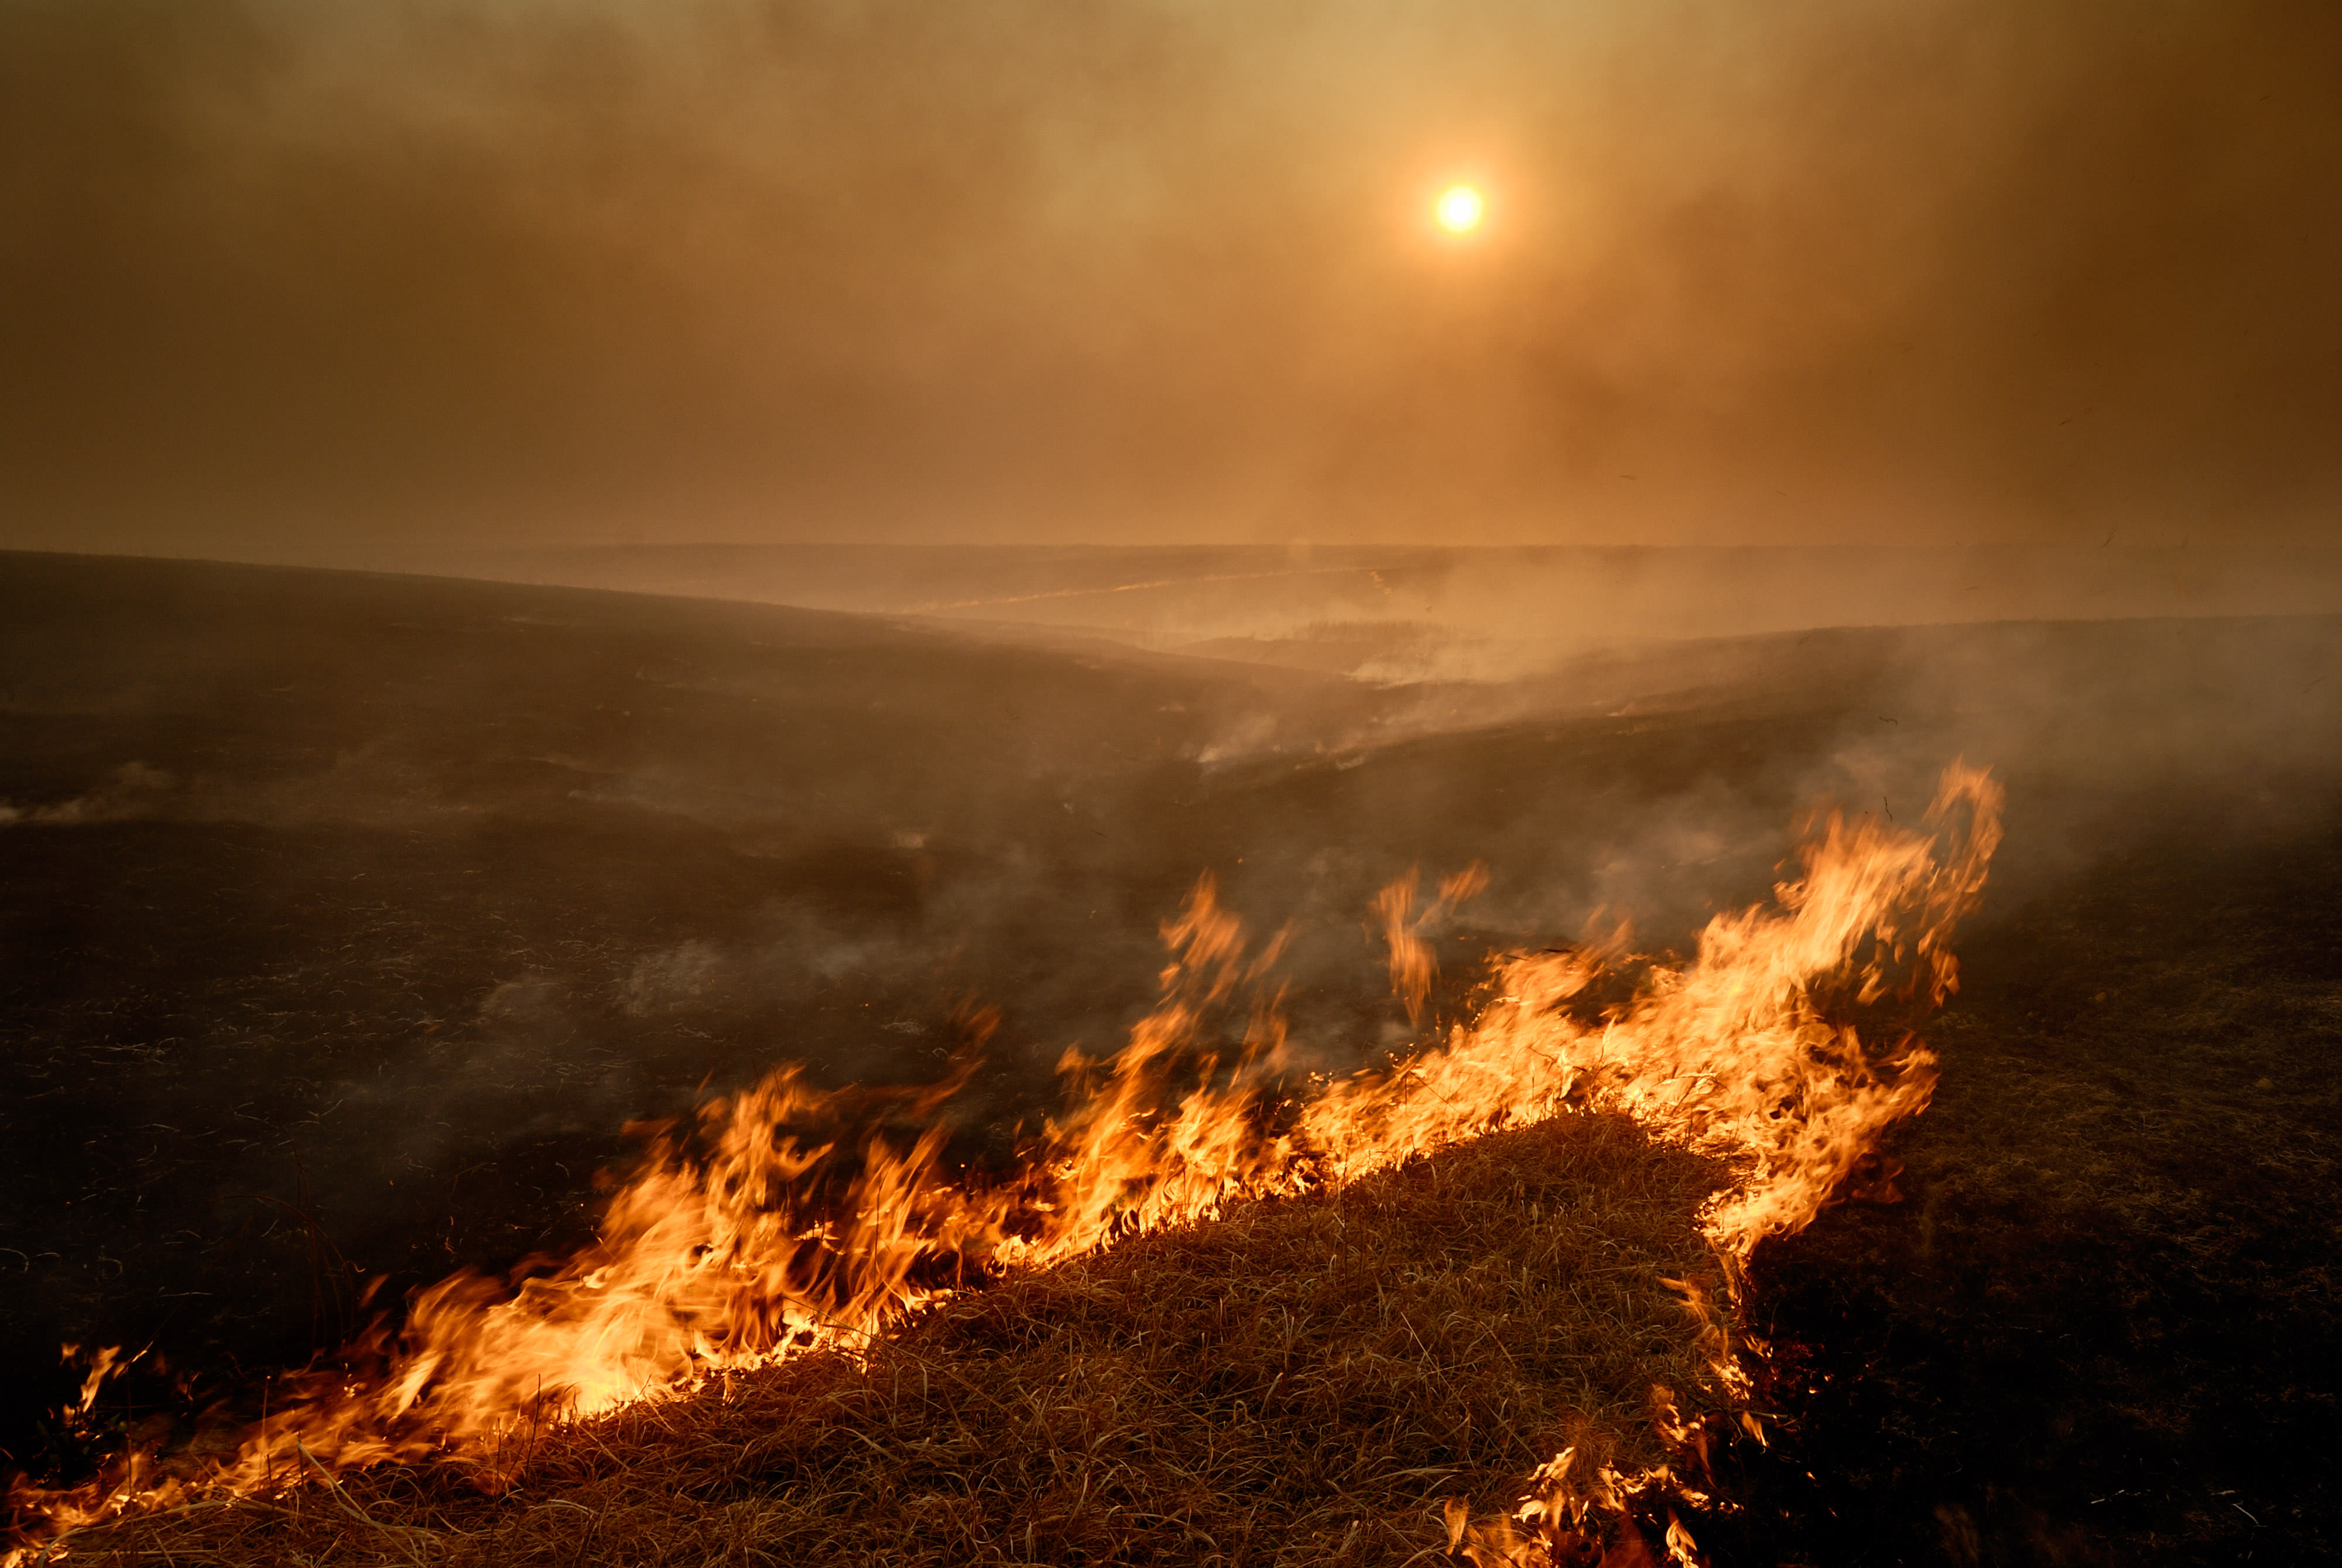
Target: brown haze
{"x": 273, "y": 273}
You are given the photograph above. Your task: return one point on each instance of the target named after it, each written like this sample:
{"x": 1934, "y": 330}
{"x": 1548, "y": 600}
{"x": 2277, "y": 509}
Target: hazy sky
{"x": 1154, "y": 270}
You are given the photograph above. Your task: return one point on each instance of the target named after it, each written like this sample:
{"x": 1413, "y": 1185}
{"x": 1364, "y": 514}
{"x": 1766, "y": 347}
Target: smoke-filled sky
{"x": 507, "y": 271}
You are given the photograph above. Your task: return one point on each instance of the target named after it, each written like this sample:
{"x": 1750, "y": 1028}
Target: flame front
{"x": 801, "y": 1217}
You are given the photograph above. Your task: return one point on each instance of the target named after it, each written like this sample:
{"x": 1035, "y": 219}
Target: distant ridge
{"x": 1172, "y": 595}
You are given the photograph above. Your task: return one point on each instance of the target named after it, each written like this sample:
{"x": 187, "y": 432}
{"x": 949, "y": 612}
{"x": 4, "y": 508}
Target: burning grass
{"x": 815, "y": 1243}
{"x": 1303, "y": 1380}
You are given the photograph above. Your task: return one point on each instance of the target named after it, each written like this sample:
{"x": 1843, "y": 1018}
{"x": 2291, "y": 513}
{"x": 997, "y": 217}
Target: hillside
{"x": 349, "y": 918}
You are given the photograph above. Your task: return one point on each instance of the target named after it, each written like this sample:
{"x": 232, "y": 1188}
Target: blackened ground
{"x": 2105, "y": 1325}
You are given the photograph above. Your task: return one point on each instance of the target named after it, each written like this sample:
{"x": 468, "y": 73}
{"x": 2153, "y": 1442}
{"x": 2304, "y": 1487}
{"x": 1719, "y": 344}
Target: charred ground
{"x": 348, "y": 917}
{"x": 2104, "y": 1327}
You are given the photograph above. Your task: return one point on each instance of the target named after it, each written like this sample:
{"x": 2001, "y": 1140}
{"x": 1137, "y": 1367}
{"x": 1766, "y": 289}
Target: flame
{"x": 104, "y": 1362}
{"x": 1412, "y": 967}
{"x": 791, "y": 1217}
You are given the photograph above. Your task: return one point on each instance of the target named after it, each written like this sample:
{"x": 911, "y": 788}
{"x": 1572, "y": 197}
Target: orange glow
{"x": 792, "y": 1217}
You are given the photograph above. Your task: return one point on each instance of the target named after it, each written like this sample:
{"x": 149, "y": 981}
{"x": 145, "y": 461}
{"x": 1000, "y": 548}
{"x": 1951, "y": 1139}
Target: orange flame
{"x": 811, "y": 1217}
{"x": 1413, "y": 965}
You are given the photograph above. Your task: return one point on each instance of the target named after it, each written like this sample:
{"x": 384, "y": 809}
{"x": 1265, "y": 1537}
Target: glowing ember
{"x": 800, "y": 1217}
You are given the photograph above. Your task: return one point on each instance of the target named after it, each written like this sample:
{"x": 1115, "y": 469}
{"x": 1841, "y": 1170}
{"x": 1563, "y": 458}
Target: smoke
{"x": 390, "y": 899}
{"x": 131, "y": 793}
{"x": 323, "y": 279}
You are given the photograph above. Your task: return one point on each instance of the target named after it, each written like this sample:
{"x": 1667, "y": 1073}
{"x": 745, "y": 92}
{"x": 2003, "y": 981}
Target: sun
{"x": 1458, "y": 209}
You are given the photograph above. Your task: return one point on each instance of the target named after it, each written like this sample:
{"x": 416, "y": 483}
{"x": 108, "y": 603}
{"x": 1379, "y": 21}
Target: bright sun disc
{"x": 1459, "y": 209}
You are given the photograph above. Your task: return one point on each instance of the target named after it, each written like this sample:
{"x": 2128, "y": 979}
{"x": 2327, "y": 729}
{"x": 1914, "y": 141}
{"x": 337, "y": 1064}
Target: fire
{"x": 798, "y": 1217}
{"x": 1413, "y": 967}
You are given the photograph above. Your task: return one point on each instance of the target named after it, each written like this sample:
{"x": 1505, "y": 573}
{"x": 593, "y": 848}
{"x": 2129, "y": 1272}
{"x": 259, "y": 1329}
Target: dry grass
{"x": 1300, "y": 1381}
